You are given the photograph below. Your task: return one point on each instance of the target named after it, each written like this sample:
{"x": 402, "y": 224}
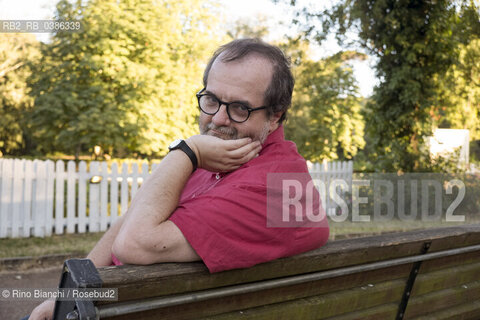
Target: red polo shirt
{"x": 224, "y": 216}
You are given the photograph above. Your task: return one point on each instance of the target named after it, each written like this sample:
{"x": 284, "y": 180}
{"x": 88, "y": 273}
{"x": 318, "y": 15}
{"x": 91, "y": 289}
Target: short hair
{"x": 278, "y": 96}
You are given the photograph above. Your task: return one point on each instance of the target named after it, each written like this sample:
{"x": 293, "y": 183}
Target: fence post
{"x": 124, "y": 189}
{"x": 49, "y": 196}
{"x": 7, "y": 168}
{"x": 104, "y": 196}
{"x": 59, "y": 196}
{"x": 135, "y": 176}
{"x": 93, "y": 201}
{"x": 82, "y": 196}
{"x": 114, "y": 194}
{"x": 71, "y": 196}
{"x": 40, "y": 203}
{"x": 27, "y": 205}
{"x": 18, "y": 175}
{"x": 145, "y": 172}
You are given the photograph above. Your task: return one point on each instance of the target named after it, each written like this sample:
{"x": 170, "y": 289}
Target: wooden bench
{"x": 425, "y": 274}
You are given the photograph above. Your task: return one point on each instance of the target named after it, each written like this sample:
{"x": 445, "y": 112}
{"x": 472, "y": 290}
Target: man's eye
{"x": 239, "y": 107}
{"x": 210, "y": 100}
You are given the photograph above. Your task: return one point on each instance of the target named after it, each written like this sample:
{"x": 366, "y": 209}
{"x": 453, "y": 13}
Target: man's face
{"x": 246, "y": 81}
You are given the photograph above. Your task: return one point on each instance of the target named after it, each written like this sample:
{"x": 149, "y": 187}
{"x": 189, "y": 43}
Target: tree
{"x": 325, "y": 121}
{"x": 415, "y": 43}
{"x": 17, "y": 51}
{"x": 127, "y": 80}
{"x": 459, "y": 98}
{"x": 253, "y": 27}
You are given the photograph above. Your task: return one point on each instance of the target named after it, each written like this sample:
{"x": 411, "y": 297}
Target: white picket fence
{"x": 41, "y": 197}
{"x": 328, "y": 172}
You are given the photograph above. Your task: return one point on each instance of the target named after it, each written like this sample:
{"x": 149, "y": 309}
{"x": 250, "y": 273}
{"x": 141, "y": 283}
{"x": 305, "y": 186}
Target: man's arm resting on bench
{"x": 101, "y": 254}
{"x": 147, "y": 236}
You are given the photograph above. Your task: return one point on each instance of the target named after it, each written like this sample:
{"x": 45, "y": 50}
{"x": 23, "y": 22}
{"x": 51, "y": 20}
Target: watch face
{"x": 174, "y": 144}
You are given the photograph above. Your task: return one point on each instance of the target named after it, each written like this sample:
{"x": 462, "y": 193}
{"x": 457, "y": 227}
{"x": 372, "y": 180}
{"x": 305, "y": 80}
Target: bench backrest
{"x": 426, "y": 273}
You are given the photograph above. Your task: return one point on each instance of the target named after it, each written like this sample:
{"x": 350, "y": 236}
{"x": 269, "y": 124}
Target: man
{"x": 207, "y": 200}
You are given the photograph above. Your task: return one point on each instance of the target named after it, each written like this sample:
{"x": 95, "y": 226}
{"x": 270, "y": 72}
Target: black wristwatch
{"x": 182, "y": 145}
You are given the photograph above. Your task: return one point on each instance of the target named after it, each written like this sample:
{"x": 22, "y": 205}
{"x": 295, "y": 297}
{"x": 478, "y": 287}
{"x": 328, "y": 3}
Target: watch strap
{"x": 188, "y": 151}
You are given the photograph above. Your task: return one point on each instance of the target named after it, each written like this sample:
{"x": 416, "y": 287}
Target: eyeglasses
{"x": 237, "y": 111}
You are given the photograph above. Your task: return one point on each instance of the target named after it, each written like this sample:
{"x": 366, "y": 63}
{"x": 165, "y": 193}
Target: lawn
{"x": 56, "y": 244}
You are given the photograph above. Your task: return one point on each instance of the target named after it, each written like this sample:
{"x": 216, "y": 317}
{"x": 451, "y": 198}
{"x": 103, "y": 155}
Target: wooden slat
{"x": 446, "y": 278}
{"x": 59, "y": 197}
{"x": 49, "y": 197}
{"x": 124, "y": 189}
{"x": 40, "y": 201}
{"x": 94, "y": 199}
{"x": 82, "y": 197}
{"x": 442, "y": 300}
{"x": 6, "y": 196}
{"x": 387, "y": 311}
{"x": 71, "y": 191}
{"x": 314, "y": 307}
{"x": 27, "y": 206}
{"x": 366, "y": 281}
{"x": 114, "y": 193}
{"x": 18, "y": 187}
{"x": 104, "y": 219}
{"x": 135, "y": 174}
{"x": 145, "y": 172}
{"x": 451, "y": 261}
{"x": 324, "y": 306}
{"x": 470, "y": 310}
{"x": 170, "y": 278}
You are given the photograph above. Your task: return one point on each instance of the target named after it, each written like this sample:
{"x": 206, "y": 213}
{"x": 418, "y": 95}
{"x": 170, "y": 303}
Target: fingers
{"x": 215, "y": 154}
{"x": 245, "y": 150}
{"x": 238, "y": 157}
{"x": 236, "y": 144}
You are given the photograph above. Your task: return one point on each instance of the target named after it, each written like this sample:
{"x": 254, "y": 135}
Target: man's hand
{"x": 215, "y": 154}
{"x": 43, "y": 311}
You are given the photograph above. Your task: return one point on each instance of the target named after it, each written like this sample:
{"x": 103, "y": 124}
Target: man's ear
{"x": 274, "y": 121}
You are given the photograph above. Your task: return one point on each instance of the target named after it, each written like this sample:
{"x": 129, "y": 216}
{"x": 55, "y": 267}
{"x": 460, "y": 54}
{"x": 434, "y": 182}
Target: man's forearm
{"x": 145, "y": 236}
{"x": 101, "y": 254}
{"x": 159, "y": 195}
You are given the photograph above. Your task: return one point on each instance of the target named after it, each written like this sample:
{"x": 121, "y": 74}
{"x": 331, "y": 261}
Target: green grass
{"x": 83, "y": 243}
{"x": 56, "y": 244}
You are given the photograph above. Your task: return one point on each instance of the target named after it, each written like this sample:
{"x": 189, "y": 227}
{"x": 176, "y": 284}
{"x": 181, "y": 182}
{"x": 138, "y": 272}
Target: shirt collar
{"x": 276, "y": 136}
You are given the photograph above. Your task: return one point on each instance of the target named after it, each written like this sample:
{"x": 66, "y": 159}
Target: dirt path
{"x": 35, "y": 278}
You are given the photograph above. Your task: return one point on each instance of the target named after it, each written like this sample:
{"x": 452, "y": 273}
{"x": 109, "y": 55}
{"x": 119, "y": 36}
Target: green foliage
{"x": 17, "y": 51}
{"x": 325, "y": 120}
{"x": 415, "y": 43}
{"x": 253, "y": 27}
{"x": 459, "y": 97}
{"x": 126, "y": 81}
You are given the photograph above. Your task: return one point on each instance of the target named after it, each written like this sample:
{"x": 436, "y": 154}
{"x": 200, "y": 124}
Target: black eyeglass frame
{"x": 227, "y": 104}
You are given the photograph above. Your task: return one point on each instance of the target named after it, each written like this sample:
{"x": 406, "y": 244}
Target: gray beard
{"x": 229, "y": 133}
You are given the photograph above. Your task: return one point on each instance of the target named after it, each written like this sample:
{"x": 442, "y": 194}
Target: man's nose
{"x": 221, "y": 117}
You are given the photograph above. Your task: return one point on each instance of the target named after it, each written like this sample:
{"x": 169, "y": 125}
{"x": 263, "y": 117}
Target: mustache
{"x": 222, "y": 130}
